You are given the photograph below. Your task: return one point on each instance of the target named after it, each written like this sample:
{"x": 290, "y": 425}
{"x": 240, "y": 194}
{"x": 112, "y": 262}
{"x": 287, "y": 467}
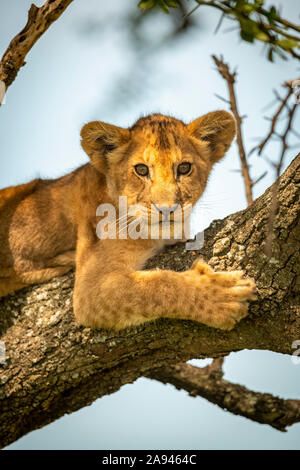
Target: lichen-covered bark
{"x": 54, "y": 366}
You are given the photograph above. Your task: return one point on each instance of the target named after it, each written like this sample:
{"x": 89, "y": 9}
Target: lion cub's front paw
{"x": 224, "y": 295}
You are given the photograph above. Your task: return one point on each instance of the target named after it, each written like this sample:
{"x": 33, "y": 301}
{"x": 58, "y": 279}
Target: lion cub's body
{"x": 47, "y": 227}
{"x": 38, "y": 226}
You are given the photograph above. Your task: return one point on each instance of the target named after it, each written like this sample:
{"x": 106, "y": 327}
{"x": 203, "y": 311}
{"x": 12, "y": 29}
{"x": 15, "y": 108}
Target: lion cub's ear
{"x": 100, "y": 139}
{"x": 218, "y": 128}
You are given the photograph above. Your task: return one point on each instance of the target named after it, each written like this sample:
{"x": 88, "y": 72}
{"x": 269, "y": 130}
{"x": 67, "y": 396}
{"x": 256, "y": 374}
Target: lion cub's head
{"x": 160, "y": 162}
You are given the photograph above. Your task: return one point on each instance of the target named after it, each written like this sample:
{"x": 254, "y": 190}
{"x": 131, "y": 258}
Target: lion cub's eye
{"x": 184, "y": 168}
{"x": 141, "y": 169}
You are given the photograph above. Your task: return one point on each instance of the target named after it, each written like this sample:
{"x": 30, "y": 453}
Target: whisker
{"x": 126, "y": 224}
{"x": 122, "y": 218}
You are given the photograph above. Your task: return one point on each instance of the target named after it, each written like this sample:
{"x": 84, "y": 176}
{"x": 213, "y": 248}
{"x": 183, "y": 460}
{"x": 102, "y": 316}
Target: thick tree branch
{"x": 209, "y": 383}
{"x": 39, "y": 20}
{"x": 54, "y": 366}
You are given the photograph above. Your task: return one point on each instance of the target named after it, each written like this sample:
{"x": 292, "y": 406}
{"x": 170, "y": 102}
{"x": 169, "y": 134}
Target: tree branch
{"x": 208, "y": 383}
{"x": 39, "y": 20}
{"x": 230, "y": 80}
{"x": 274, "y": 120}
{"x": 257, "y": 23}
{"x": 283, "y": 138}
{"x": 53, "y": 366}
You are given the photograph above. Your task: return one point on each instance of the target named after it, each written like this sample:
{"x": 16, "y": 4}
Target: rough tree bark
{"x": 53, "y": 366}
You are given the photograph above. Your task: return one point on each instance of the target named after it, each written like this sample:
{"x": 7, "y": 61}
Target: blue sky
{"x": 66, "y": 82}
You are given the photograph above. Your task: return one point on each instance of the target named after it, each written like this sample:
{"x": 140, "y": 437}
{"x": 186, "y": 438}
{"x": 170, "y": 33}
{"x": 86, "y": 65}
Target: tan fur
{"x": 47, "y": 227}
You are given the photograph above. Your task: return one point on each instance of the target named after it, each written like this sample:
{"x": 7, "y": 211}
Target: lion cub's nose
{"x": 166, "y": 210}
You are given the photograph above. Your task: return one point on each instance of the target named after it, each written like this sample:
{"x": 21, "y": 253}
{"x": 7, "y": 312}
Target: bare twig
{"x": 284, "y": 137}
{"x": 278, "y": 168}
{"x": 290, "y": 83}
{"x": 249, "y": 183}
{"x": 39, "y": 20}
{"x": 284, "y": 104}
{"x": 230, "y": 80}
{"x": 275, "y": 120}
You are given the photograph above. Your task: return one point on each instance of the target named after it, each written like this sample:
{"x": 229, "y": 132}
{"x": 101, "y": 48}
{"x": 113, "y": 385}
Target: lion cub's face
{"x": 159, "y": 163}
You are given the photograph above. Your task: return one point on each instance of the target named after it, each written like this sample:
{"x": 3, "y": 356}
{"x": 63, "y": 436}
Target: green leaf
{"x": 146, "y": 4}
{"x": 271, "y": 15}
{"x": 162, "y": 5}
{"x": 287, "y": 44}
{"x": 270, "y": 54}
{"x": 249, "y": 30}
{"x": 172, "y": 3}
{"x": 261, "y": 36}
{"x": 247, "y": 36}
{"x": 248, "y": 8}
{"x": 239, "y": 3}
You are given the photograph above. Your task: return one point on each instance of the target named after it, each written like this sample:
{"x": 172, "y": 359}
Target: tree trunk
{"x": 53, "y": 366}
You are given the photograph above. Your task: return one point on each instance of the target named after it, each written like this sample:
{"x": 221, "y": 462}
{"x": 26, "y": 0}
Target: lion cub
{"x": 159, "y": 165}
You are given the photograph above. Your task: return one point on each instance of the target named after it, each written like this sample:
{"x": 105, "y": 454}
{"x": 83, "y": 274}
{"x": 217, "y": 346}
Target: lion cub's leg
{"x": 12, "y": 280}
{"x": 7, "y": 285}
{"x": 43, "y": 275}
{"x": 63, "y": 259}
{"x": 16, "y": 281}
{"x": 111, "y": 293}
